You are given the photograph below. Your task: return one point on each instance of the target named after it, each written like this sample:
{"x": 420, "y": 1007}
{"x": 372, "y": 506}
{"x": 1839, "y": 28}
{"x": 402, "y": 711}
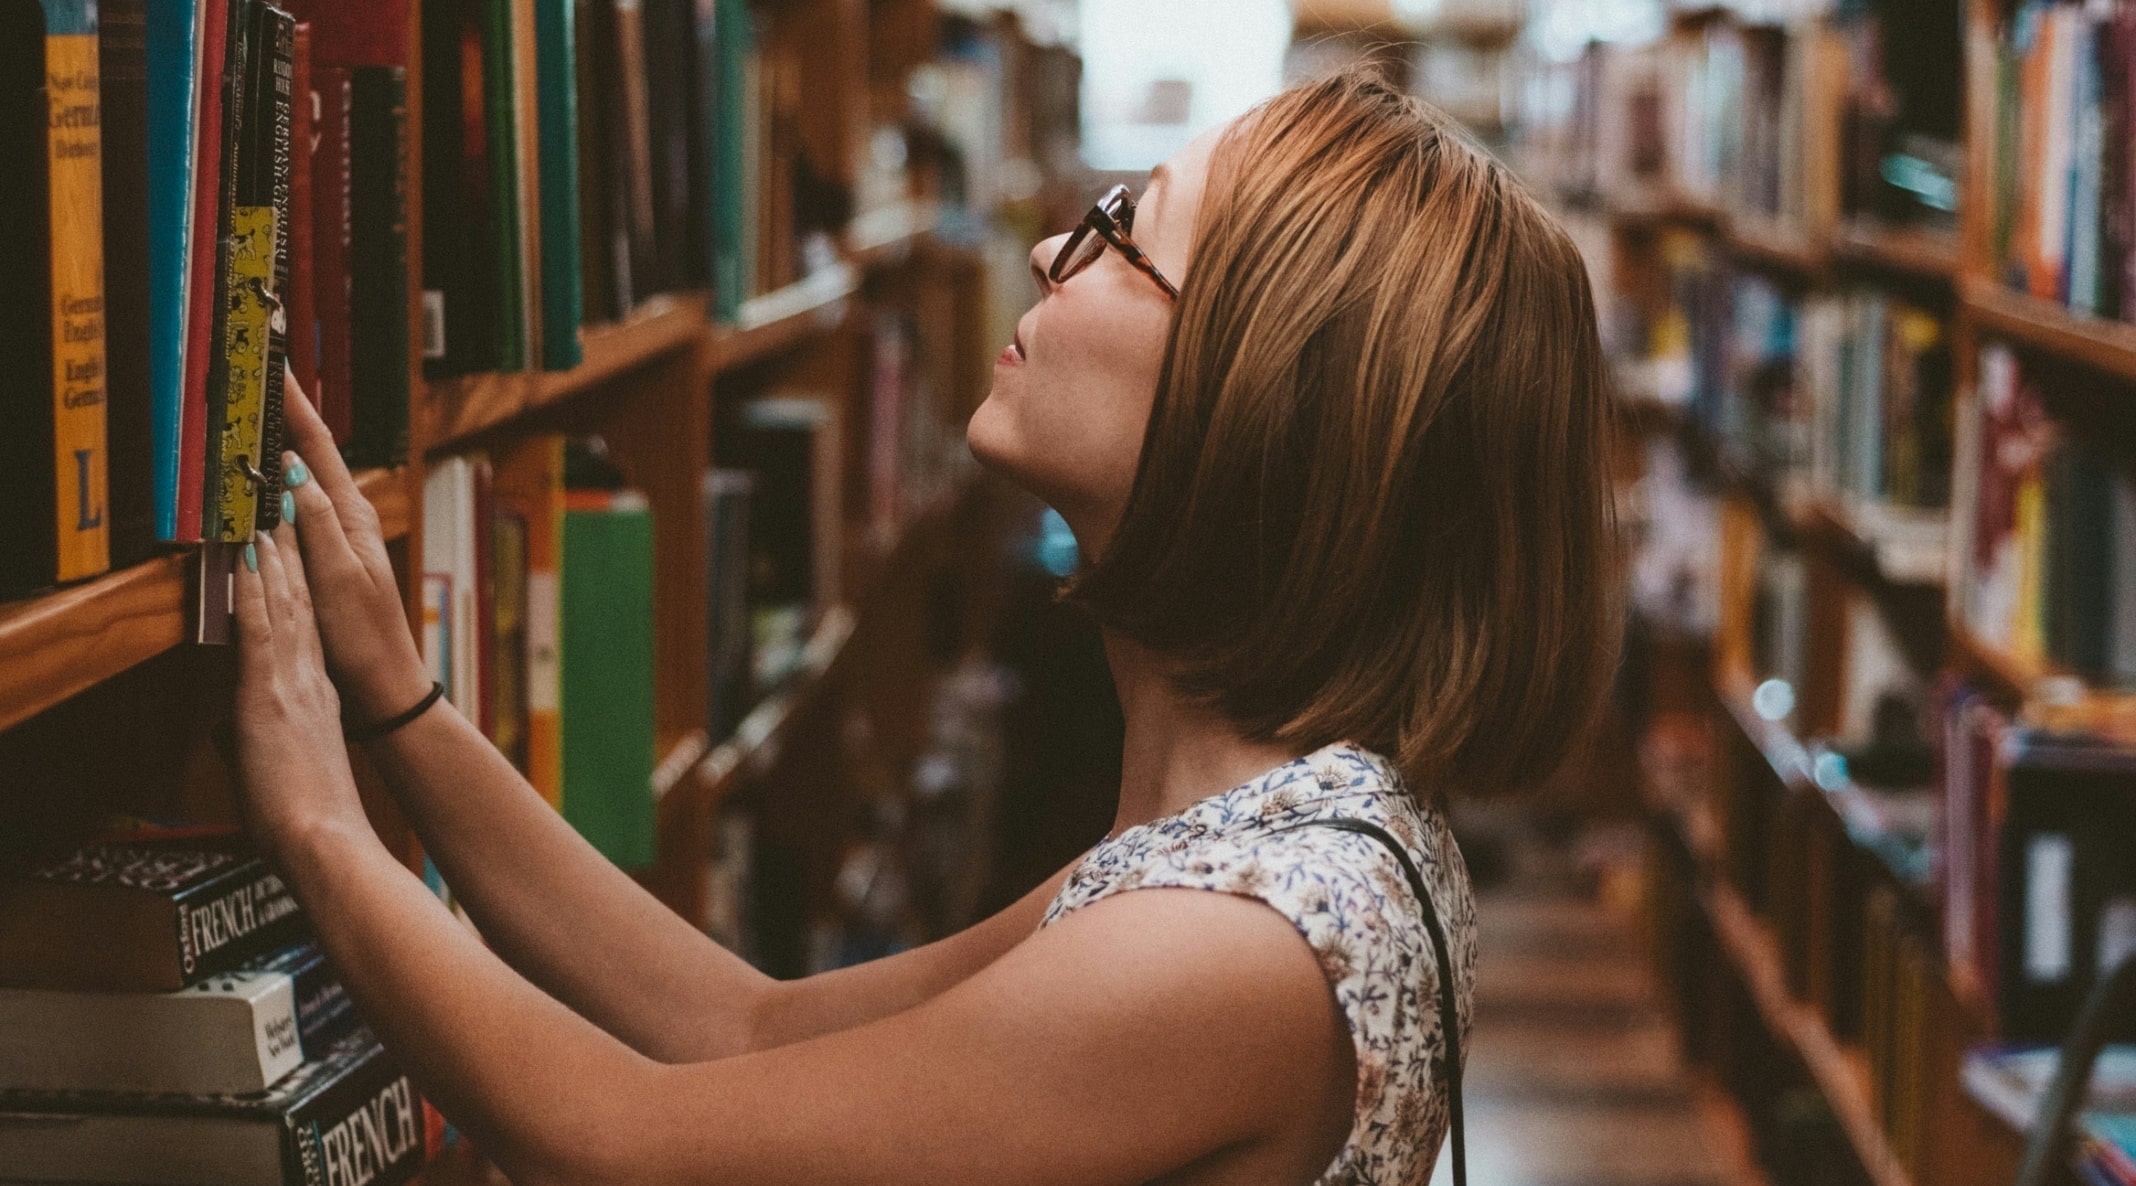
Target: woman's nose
{"x": 1042, "y": 262}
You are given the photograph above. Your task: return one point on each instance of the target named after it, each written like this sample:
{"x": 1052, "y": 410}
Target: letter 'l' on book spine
{"x": 562, "y": 291}
{"x": 75, "y": 170}
{"x": 173, "y": 104}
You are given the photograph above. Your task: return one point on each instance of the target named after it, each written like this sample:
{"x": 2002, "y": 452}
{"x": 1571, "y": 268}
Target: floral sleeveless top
{"x": 1350, "y": 900}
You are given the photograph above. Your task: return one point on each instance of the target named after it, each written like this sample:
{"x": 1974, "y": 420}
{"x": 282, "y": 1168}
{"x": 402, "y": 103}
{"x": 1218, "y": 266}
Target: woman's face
{"x": 1072, "y": 394}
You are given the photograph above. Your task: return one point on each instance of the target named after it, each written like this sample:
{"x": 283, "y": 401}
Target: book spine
{"x": 562, "y": 290}
{"x": 378, "y": 265}
{"x": 298, "y": 303}
{"x": 226, "y": 294}
{"x": 500, "y": 114}
{"x": 173, "y": 105}
{"x": 366, "y": 1129}
{"x": 74, "y": 175}
{"x": 122, "y": 49}
{"x": 330, "y": 251}
{"x": 279, "y": 32}
{"x": 325, "y": 1014}
{"x": 231, "y": 919}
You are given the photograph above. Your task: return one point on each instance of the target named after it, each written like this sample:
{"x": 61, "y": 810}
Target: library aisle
{"x": 1574, "y": 1075}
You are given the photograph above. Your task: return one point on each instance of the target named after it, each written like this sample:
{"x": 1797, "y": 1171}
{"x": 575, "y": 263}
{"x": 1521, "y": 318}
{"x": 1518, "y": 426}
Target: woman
{"x": 1326, "y": 408}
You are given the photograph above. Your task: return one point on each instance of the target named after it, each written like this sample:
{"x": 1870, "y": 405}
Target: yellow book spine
{"x": 245, "y": 346}
{"x": 75, "y": 150}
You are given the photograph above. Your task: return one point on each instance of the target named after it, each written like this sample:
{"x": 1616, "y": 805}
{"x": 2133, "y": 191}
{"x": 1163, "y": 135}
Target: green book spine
{"x": 501, "y": 114}
{"x": 728, "y": 106}
{"x": 562, "y": 291}
{"x": 608, "y": 673}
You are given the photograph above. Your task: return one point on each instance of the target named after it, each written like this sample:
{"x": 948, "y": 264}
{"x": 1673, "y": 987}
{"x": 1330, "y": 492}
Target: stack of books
{"x": 166, "y": 1020}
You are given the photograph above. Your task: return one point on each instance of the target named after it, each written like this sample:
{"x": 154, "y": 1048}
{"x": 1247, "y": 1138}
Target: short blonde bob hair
{"x": 1373, "y": 502}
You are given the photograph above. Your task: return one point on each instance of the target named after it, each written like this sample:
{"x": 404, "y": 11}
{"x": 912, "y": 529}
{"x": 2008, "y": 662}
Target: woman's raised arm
{"x": 545, "y": 899}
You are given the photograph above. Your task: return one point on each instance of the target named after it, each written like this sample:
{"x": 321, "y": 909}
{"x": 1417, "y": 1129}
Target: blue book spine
{"x": 172, "y": 57}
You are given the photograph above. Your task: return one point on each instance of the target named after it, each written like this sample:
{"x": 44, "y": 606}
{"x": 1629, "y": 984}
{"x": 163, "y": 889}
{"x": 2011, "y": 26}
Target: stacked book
{"x": 167, "y": 1022}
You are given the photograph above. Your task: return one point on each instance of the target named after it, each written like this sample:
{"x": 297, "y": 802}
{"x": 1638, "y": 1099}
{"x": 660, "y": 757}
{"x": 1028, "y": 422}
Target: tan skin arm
{"x": 546, "y": 901}
{"x": 1141, "y": 1034}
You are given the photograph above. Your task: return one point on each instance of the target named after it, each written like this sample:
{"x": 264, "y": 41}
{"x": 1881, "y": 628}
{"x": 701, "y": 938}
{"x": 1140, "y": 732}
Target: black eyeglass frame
{"x": 1112, "y": 218}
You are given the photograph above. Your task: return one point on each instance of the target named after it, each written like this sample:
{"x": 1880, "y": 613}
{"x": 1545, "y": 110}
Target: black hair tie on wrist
{"x": 374, "y": 732}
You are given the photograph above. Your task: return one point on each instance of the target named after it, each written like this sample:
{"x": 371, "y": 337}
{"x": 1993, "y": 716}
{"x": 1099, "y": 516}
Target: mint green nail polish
{"x": 252, "y": 558}
{"x": 294, "y": 474}
{"x": 289, "y": 507}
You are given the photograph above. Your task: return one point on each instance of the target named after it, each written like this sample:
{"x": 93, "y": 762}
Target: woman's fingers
{"x": 324, "y": 541}
{"x": 291, "y": 556}
{"x": 274, "y": 582}
{"x": 255, "y": 626}
{"x": 315, "y": 443}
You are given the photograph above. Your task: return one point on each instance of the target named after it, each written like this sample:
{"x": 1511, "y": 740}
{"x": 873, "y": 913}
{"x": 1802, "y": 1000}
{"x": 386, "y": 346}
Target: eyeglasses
{"x": 1113, "y": 220}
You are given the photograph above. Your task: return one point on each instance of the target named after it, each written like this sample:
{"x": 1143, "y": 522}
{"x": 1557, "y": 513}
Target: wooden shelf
{"x": 1897, "y": 249}
{"x": 778, "y": 320}
{"x": 59, "y": 644}
{"x": 1841, "y": 1073}
{"x": 2108, "y": 346}
{"x": 454, "y": 409}
{"x": 1776, "y": 246}
{"x": 2013, "y": 676}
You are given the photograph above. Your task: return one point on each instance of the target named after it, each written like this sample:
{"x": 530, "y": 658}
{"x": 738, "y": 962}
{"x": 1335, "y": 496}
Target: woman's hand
{"x": 362, "y": 626}
{"x": 292, "y": 765}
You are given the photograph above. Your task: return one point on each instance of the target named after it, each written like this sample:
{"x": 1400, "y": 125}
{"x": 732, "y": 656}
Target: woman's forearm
{"x": 557, "y": 910}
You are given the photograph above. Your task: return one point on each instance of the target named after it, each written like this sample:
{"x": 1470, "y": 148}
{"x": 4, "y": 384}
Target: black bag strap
{"x": 1449, "y": 1008}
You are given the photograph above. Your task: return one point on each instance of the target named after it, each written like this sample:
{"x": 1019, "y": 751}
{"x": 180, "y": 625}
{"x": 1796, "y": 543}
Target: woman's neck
{"x": 1176, "y": 752}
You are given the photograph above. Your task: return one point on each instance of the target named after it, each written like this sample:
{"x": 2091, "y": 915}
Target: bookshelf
{"x": 1794, "y": 898}
{"x": 844, "y": 253}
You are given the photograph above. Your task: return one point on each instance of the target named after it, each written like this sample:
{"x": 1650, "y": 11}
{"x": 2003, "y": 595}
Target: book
{"x": 275, "y": 116}
{"x": 379, "y": 375}
{"x": 347, "y": 1118}
{"x": 233, "y": 246}
{"x": 726, "y": 495}
{"x": 300, "y": 301}
{"x": 234, "y": 1033}
{"x": 203, "y": 286}
{"x": 174, "y": 58}
{"x": 2010, "y": 1080}
{"x": 2068, "y": 878}
{"x": 608, "y": 660}
{"x": 557, "y": 116}
{"x": 528, "y": 486}
{"x": 142, "y": 913}
{"x": 52, "y": 404}
{"x": 129, "y": 413}
{"x": 459, "y": 250}
{"x": 331, "y": 387}
{"x": 500, "y": 108}
{"x": 448, "y": 564}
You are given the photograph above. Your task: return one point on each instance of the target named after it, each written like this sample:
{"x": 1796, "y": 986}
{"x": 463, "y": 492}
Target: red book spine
{"x": 330, "y": 248}
{"x": 301, "y": 309}
{"x": 200, "y": 283}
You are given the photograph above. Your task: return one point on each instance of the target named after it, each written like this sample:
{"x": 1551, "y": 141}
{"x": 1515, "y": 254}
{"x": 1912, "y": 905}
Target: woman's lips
{"x": 1012, "y": 354}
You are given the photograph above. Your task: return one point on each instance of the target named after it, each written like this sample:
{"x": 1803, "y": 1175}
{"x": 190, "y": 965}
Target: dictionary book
{"x": 51, "y": 297}
{"x": 349, "y": 1118}
{"x": 234, "y": 1033}
{"x": 148, "y": 914}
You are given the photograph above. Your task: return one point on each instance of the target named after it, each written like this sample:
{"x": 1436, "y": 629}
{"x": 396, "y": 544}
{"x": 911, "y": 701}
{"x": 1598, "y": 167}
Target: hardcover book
{"x": 151, "y": 914}
{"x": 52, "y": 298}
{"x": 349, "y": 1118}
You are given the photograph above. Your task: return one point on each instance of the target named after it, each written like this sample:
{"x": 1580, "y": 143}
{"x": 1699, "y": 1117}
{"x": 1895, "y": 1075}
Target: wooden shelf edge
{"x": 1756, "y": 956}
{"x": 59, "y": 644}
{"x": 1898, "y": 249}
{"x": 1733, "y": 1145}
{"x": 1776, "y": 246}
{"x": 455, "y": 409}
{"x": 2108, "y": 346}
